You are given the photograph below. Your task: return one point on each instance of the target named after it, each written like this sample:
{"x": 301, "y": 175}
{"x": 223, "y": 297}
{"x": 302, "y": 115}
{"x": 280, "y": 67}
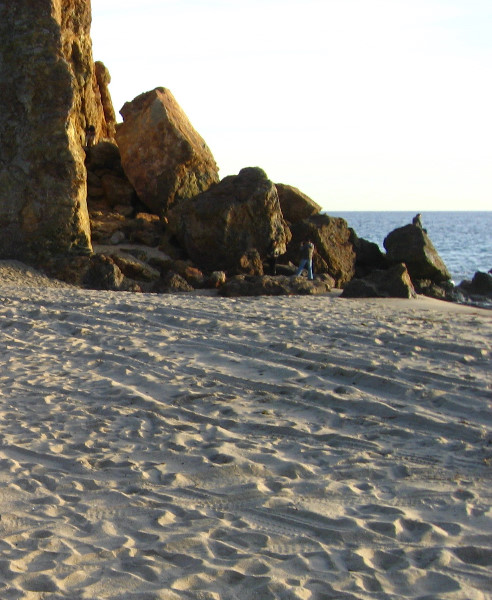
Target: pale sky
{"x": 361, "y": 104}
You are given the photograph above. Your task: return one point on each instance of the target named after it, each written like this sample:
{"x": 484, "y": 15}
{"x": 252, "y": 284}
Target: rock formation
{"x": 368, "y": 255}
{"x": 334, "y": 251}
{"x": 480, "y": 287}
{"x": 233, "y": 217}
{"x": 48, "y": 96}
{"x": 266, "y": 285}
{"x": 394, "y": 282}
{"x": 164, "y": 158}
{"x": 295, "y": 205}
{"x": 108, "y": 187}
{"x": 411, "y": 245}
{"x": 103, "y": 79}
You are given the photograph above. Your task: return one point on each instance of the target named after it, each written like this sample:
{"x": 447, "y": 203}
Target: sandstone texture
{"x": 165, "y": 159}
{"x": 48, "y": 96}
{"x": 234, "y": 217}
{"x": 108, "y": 123}
{"x": 295, "y": 205}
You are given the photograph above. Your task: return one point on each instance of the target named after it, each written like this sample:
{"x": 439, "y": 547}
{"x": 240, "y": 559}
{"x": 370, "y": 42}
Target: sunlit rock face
{"x": 108, "y": 121}
{"x": 163, "y": 156}
{"x": 295, "y": 205}
{"x": 221, "y": 225}
{"x": 48, "y": 96}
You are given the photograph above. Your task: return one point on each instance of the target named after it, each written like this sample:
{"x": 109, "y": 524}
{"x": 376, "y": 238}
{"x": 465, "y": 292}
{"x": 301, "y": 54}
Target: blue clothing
{"x": 306, "y": 263}
{"x": 307, "y": 251}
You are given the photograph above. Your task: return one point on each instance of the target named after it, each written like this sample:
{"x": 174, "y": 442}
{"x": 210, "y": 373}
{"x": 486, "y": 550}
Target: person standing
{"x": 306, "y": 258}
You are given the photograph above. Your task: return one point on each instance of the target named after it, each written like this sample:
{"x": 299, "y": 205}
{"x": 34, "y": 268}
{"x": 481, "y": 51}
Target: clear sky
{"x": 361, "y": 104}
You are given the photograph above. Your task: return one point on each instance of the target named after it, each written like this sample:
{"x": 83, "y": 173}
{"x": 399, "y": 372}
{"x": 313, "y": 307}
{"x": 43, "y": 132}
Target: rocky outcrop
{"x": 108, "y": 187}
{"x": 281, "y": 285}
{"x": 411, "y": 245}
{"x": 165, "y": 159}
{"x": 295, "y": 205}
{"x": 394, "y": 282}
{"x": 47, "y": 93}
{"x": 334, "y": 251}
{"x": 233, "y": 217}
{"x": 103, "y": 79}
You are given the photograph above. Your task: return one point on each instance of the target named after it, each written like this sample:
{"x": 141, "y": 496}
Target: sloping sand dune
{"x": 196, "y": 447}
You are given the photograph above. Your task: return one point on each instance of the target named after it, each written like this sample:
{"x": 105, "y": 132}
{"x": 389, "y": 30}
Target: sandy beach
{"x": 165, "y": 447}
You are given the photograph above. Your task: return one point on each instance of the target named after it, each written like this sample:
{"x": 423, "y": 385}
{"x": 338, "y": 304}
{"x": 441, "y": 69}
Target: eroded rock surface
{"x": 48, "y": 96}
{"x": 295, "y": 205}
{"x": 165, "y": 159}
{"x": 236, "y": 216}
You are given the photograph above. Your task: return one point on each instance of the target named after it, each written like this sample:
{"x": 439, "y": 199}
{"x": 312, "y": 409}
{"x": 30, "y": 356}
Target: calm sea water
{"x": 462, "y": 239}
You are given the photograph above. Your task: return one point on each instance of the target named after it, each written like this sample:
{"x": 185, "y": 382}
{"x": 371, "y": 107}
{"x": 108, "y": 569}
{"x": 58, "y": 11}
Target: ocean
{"x": 462, "y": 239}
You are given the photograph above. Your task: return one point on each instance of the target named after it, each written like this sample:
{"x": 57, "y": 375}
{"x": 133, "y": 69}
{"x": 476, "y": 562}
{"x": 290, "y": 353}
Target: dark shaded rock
{"x": 295, "y": 205}
{"x": 105, "y": 158}
{"x": 266, "y": 285}
{"x": 411, "y": 245}
{"x": 97, "y": 272}
{"x": 144, "y": 229}
{"x": 219, "y": 226}
{"x": 102, "y": 274}
{"x": 185, "y": 269}
{"x": 441, "y": 291}
{"x": 104, "y": 224}
{"x": 368, "y": 255}
{"x": 250, "y": 263}
{"x": 108, "y": 188}
{"x": 172, "y": 283}
{"x": 215, "y": 280}
{"x": 134, "y": 268}
{"x": 394, "y": 282}
{"x": 165, "y": 159}
{"x": 334, "y": 250}
{"x": 480, "y": 285}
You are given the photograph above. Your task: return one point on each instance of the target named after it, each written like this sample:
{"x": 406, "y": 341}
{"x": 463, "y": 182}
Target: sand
{"x": 196, "y": 447}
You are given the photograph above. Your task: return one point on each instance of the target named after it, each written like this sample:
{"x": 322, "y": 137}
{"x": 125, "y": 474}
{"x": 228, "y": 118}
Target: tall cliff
{"x": 48, "y": 95}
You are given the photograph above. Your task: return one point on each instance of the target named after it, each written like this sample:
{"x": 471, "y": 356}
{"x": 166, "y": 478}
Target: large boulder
{"x": 295, "y": 205}
{"x": 394, "y": 282}
{"x": 411, "y": 245}
{"x": 48, "y": 96}
{"x": 232, "y": 218}
{"x": 334, "y": 251}
{"x": 165, "y": 159}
